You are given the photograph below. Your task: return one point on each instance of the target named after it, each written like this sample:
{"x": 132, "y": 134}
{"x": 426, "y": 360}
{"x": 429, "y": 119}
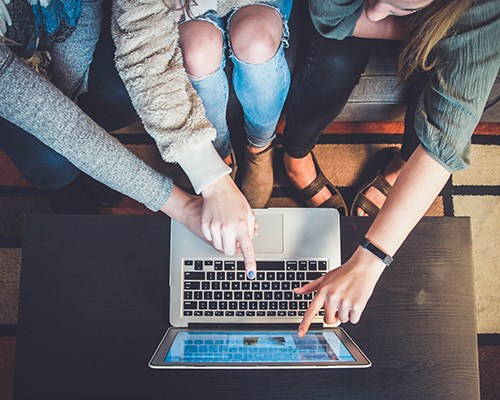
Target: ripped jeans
{"x": 260, "y": 88}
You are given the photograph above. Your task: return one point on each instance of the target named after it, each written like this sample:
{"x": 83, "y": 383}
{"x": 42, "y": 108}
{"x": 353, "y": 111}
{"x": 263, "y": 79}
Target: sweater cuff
{"x": 203, "y": 165}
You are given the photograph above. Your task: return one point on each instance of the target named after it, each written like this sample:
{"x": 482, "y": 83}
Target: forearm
{"x": 47, "y": 114}
{"x": 418, "y": 184}
{"x": 389, "y": 28}
{"x": 149, "y": 61}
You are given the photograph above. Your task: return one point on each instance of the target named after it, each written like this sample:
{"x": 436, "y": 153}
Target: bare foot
{"x": 390, "y": 173}
{"x": 302, "y": 172}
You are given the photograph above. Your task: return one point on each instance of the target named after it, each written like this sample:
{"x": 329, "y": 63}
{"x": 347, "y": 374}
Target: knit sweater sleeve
{"x": 454, "y": 98}
{"x": 149, "y": 61}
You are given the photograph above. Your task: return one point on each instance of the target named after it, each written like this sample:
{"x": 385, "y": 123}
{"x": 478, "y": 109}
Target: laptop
{"x": 221, "y": 319}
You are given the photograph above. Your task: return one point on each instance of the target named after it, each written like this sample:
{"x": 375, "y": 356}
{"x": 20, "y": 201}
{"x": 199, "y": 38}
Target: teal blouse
{"x": 453, "y": 100}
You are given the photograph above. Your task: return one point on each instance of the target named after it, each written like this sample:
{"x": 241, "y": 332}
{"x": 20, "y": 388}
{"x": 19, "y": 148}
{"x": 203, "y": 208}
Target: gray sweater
{"x": 34, "y": 104}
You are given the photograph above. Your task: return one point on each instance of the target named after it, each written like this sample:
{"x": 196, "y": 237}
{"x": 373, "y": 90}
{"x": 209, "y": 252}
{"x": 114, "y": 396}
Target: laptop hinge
{"x": 250, "y": 326}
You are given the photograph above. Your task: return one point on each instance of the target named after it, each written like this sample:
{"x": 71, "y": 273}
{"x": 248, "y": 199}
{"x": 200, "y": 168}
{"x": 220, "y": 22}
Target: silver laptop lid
{"x": 284, "y": 234}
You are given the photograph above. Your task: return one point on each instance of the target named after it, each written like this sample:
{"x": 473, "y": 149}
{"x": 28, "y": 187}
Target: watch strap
{"x": 366, "y": 244}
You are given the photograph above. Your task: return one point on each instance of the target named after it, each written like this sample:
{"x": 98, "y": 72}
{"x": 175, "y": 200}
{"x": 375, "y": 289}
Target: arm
{"x": 149, "y": 61}
{"x": 349, "y": 287}
{"x": 389, "y": 28}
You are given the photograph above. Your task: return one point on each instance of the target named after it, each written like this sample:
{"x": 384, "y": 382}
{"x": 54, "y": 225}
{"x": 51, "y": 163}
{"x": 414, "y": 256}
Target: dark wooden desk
{"x": 94, "y": 305}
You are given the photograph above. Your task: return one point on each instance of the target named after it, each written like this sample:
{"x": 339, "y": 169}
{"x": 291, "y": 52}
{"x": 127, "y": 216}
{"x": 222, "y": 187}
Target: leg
{"x": 72, "y": 57}
{"x": 106, "y": 101}
{"x": 394, "y": 166}
{"x": 202, "y": 49}
{"x": 326, "y": 75}
{"x": 261, "y": 80}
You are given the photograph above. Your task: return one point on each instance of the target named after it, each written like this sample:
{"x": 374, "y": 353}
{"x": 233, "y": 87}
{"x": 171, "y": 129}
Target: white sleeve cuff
{"x": 203, "y": 165}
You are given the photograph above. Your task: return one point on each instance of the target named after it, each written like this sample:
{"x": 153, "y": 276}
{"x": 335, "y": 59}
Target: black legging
{"x": 326, "y": 74}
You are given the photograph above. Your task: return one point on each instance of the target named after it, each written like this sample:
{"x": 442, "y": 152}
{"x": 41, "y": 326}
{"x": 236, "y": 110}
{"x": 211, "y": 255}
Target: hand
{"x": 4, "y": 17}
{"x": 228, "y": 221}
{"x": 344, "y": 291}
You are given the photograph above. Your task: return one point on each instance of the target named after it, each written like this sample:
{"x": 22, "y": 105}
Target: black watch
{"x": 366, "y": 244}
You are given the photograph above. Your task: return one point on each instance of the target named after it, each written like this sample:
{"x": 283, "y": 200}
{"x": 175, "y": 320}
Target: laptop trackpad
{"x": 270, "y": 237}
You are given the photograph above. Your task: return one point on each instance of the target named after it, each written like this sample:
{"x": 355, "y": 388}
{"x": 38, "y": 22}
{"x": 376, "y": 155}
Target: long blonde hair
{"x": 426, "y": 28}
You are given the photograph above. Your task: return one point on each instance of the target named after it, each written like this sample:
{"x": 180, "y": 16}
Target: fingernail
{"x": 301, "y": 333}
{"x": 251, "y": 275}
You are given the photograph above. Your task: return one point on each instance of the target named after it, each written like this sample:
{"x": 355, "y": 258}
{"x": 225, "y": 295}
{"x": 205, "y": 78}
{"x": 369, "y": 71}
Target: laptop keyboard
{"x": 220, "y": 288}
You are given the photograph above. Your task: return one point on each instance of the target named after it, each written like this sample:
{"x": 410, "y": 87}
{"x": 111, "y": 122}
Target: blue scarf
{"x": 51, "y": 17}
{"x": 37, "y": 23}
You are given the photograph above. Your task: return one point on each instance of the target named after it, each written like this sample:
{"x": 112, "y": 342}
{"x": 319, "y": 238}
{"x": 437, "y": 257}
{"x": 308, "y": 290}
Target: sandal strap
{"x": 366, "y": 205}
{"x": 335, "y": 201}
{"x": 381, "y": 184}
{"x": 315, "y": 186}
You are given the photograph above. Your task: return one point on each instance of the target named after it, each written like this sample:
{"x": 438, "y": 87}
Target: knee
{"x": 256, "y": 33}
{"x": 201, "y": 45}
{"x": 50, "y": 171}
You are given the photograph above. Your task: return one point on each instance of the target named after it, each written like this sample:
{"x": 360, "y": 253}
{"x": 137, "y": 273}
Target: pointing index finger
{"x": 311, "y": 312}
{"x": 248, "y": 252}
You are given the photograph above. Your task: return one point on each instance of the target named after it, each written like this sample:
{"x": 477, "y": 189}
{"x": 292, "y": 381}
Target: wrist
{"x": 218, "y": 186}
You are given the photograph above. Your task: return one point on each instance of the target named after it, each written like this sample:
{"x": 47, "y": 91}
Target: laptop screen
{"x": 257, "y": 346}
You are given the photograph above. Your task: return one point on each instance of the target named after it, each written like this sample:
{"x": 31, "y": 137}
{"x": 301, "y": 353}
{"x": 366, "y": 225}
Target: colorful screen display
{"x": 257, "y": 347}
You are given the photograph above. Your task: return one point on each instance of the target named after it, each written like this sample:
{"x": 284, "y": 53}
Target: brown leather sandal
{"x": 335, "y": 201}
{"x": 376, "y": 180}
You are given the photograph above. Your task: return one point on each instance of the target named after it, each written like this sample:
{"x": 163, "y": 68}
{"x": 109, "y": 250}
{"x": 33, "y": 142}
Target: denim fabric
{"x": 261, "y": 89}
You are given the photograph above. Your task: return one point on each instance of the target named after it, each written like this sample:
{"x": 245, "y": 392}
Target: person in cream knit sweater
{"x": 171, "y": 57}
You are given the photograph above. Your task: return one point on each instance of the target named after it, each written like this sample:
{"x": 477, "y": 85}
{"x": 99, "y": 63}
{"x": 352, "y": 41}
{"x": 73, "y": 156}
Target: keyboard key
{"x": 243, "y": 305}
{"x": 230, "y": 276}
{"x": 281, "y": 313}
{"x": 216, "y": 285}
{"x": 191, "y": 285}
{"x": 240, "y": 265}
{"x": 311, "y": 276}
{"x": 219, "y": 313}
{"x": 293, "y": 305}
{"x": 268, "y": 295}
{"x": 218, "y": 265}
{"x": 270, "y": 265}
{"x": 252, "y": 305}
{"x": 211, "y": 275}
{"x": 248, "y": 296}
{"x": 188, "y": 295}
{"x": 273, "y": 305}
{"x": 198, "y": 313}
{"x": 283, "y": 305}
{"x": 235, "y": 286}
{"x": 188, "y": 313}
{"x": 292, "y": 313}
{"x": 271, "y": 276}
{"x": 265, "y": 285}
{"x": 301, "y": 276}
{"x": 280, "y": 276}
{"x": 233, "y": 305}
{"x": 240, "y": 313}
{"x": 238, "y": 295}
{"x": 290, "y": 276}
{"x": 188, "y": 262}
{"x": 229, "y": 265}
{"x": 212, "y": 305}
{"x": 255, "y": 285}
{"x": 218, "y": 295}
{"x": 271, "y": 313}
{"x": 301, "y": 313}
{"x": 209, "y": 262}
{"x": 229, "y": 313}
{"x": 302, "y": 265}
{"x": 260, "y": 276}
{"x": 202, "y": 305}
{"x": 250, "y": 313}
{"x": 313, "y": 265}
{"x": 275, "y": 286}
{"x": 228, "y": 295}
{"x": 285, "y": 285}
{"x": 278, "y": 295}
{"x": 303, "y": 305}
{"x": 262, "y": 305}
{"x": 222, "y": 305}
{"x": 194, "y": 276}
{"x": 221, "y": 276}
{"x": 226, "y": 285}
{"x": 261, "y": 313}
{"x": 258, "y": 295}
{"x": 240, "y": 276}
{"x": 291, "y": 266}
{"x": 288, "y": 295}
{"x": 205, "y": 285}
{"x": 190, "y": 305}
{"x": 198, "y": 265}
{"x": 322, "y": 265}
{"x": 245, "y": 285}
{"x": 207, "y": 295}
{"x": 208, "y": 313}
